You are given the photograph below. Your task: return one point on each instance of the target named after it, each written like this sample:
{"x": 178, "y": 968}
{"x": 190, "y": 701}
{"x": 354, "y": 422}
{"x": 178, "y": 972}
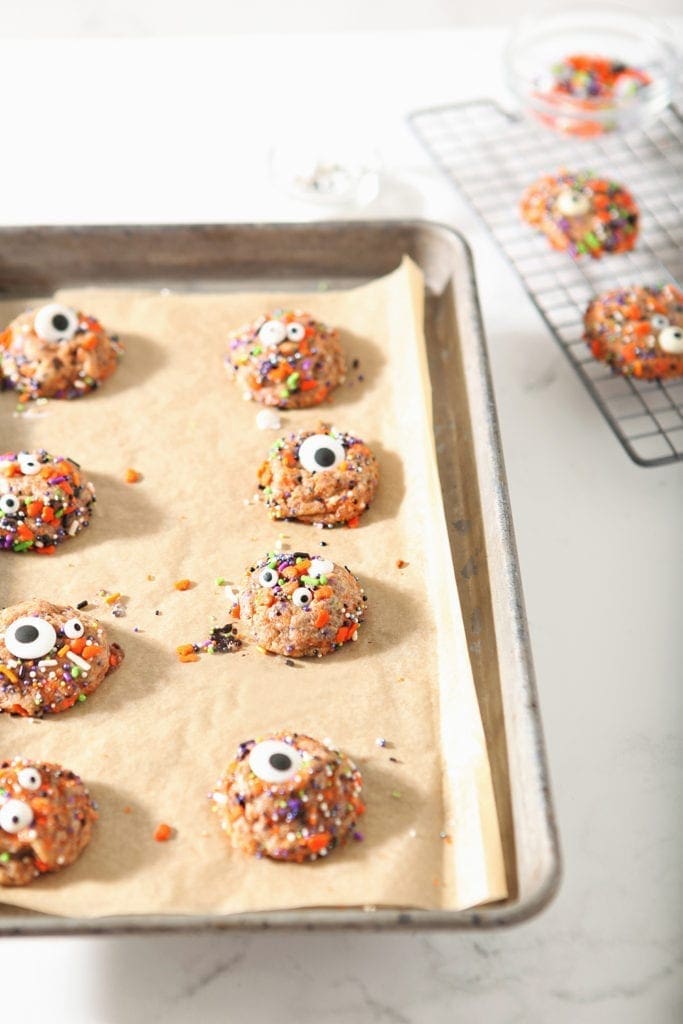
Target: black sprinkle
{"x": 82, "y": 604}
{"x": 355, "y": 364}
{"x": 288, "y": 661}
{"x": 157, "y": 612}
{"x": 223, "y": 640}
{"x": 323, "y": 543}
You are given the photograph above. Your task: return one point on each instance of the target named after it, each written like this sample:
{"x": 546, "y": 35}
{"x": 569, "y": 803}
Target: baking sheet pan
{"x": 39, "y": 261}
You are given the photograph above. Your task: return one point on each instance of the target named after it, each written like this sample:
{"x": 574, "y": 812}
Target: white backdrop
{"x": 32, "y": 18}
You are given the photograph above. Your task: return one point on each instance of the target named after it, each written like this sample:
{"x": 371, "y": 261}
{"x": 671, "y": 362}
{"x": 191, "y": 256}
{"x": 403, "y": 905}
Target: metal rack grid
{"x": 491, "y": 156}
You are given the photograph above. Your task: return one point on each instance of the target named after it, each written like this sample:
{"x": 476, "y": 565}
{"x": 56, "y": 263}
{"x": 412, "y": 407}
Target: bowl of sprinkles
{"x": 585, "y": 71}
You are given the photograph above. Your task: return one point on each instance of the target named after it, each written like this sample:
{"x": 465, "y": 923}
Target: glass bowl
{"x": 633, "y": 45}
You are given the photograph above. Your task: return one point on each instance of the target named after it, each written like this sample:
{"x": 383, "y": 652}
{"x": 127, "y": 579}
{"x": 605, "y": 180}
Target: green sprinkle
{"x": 82, "y": 697}
{"x": 221, "y": 581}
{"x": 256, "y": 350}
{"x": 293, "y": 381}
{"x": 272, "y": 563}
{"x": 23, "y": 545}
{"x": 59, "y": 513}
{"x": 267, "y": 490}
{"x": 580, "y": 247}
{"x": 4, "y": 858}
{"x": 396, "y": 793}
{"x": 75, "y": 671}
{"x": 591, "y": 240}
{"x": 322, "y": 580}
{"x": 284, "y": 393}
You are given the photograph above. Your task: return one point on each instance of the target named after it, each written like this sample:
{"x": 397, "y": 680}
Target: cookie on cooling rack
{"x": 289, "y": 797}
{"x": 46, "y": 819}
{"x": 286, "y": 359}
{"x": 581, "y": 214}
{"x": 638, "y": 331}
{"x": 56, "y": 351}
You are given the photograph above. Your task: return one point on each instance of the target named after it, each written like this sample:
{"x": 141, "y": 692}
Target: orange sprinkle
{"x": 320, "y": 593}
{"x": 127, "y": 810}
{"x": 163, "y": 833}
{"x": 112, "y": 598}
{"x": 78, "y": 645}
{"x": 353, "y": 523}
{"x": 90, "y": 342}
{"x": 90, "y": 651}
{"x": 321, "y": 619}
{"x": 236, "y": 611}
{"x": 185, "y": 658}
{"x": 9, "y": 674}
{"x": 185, "y": 649}
{"x": 342, "y": 635}
{"x": 308, "y": 385}
{"x": 63, "y": 651}
{"x": 34, "y": 508}
{"x": 132, "y": 476}
{"x": 49, "y": 550}
{"x": 318, "y": 842}
{"x": 182, "y": 584}
{"x": 23, "y": 533}
{"x": 400, "y": 564}
{"x": 48, "y": 514}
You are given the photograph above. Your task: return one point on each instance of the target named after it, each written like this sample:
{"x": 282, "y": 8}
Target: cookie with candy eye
{"x": 581, "y": 214}
{"x": 300, "y": 606}
{"x": 319, "y": 476}
{"x": 286, "y": 359}
{"x": 289, "y": 797}
{"x": 638, "y": 331}
{"x": 51, "y": 657}
{"x": 44, "y": 500}
{"x": 46, "y": 819}
{"x": 56, "y": 351}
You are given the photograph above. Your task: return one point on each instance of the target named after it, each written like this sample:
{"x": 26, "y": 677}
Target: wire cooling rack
{"x": 491, "y": 156}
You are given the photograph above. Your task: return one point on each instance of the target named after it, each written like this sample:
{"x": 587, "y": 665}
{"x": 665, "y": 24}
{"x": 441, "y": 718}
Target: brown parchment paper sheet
{"x": 156, "y": 735}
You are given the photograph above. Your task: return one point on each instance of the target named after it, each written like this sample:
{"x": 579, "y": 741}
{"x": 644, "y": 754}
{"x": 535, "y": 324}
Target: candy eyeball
{"x": 30, "y": 637}
{"x": 321, "y": 451}
{"x": 268, "y": 577}
{"x": 73, "y": 629}
{"x": 296, "y": 332}
{"x": 671, "y": 340}
{"x": 302, "y": 597}
{"x": 571, "y": 203}
{"x": 10, "y": 504}
{"x": 55, "y": 322}
{"x": 659, "y": 321}
{"x": 320, "y": 567}
{"x": 275, "y": 761}
{"x": 272, "y": 332}
{"x": 29, "y": 778}
{"x": 28, "y": 464}
{"x": 15, "y": 815}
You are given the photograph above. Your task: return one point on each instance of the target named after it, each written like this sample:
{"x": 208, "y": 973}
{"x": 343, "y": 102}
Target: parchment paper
{"x": 152, "y": 740}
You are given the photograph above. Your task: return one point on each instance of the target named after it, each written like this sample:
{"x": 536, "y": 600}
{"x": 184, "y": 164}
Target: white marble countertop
{"x": 177, "y": 130}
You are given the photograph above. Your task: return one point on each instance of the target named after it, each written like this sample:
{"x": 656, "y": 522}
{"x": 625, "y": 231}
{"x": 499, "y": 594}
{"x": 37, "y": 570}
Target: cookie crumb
{"x": 268, "y": 419}
{"x": 400, "y": 564}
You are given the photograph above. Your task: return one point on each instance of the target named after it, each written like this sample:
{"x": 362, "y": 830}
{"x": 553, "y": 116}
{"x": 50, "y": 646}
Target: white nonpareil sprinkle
{"x": 268, "y": 419}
